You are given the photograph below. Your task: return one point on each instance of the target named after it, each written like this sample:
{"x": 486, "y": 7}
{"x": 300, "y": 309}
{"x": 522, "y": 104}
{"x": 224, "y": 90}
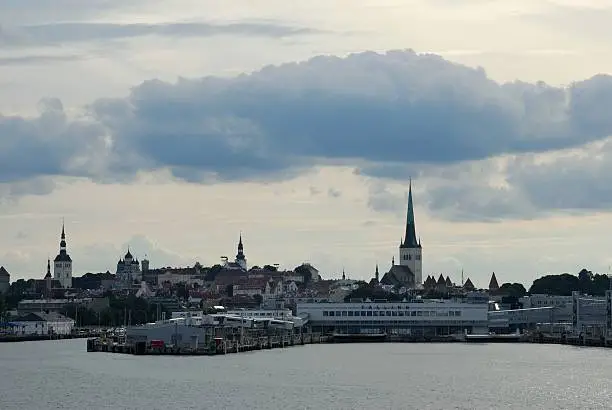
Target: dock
{"x": 213, "y": 346}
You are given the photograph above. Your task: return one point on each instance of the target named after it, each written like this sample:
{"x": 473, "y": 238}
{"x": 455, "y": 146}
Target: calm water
{"x": 62, "y": 375}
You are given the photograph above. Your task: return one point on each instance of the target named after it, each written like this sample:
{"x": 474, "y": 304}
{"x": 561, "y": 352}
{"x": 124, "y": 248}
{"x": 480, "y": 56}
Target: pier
{"x": 212, "y": 346}
{"x": 207, "y": 335}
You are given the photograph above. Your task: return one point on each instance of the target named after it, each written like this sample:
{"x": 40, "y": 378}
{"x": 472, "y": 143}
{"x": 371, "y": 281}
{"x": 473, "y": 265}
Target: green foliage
{"x": 585, "y": 282}
{"x": 305, "y": 272}
{"x": 17, "y": 292}
{"x": 512, "y": 289}
{"x": 3, "y": 306}
{"x": 212, "y": 272}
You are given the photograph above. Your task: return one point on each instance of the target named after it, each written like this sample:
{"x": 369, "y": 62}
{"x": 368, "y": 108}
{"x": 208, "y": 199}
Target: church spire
{"x": 376, "y": 273}
{"x": 63, "y": 239}
{"x": 240, "y": 254}
{"x": 48, "y": 275}
{"x": 410, "y": 238}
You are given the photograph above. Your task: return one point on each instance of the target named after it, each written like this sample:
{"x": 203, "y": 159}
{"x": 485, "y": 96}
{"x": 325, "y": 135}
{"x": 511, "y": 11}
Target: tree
{"x": 270, "y": 268}
{"x": 212, "y": 272}
{"x": 3, "y": 308}
{"x": 182, "y": 291}
{"x": 512, "y": 289}
{"x": 305, "y": 272}
{"x": 561, "y": 285}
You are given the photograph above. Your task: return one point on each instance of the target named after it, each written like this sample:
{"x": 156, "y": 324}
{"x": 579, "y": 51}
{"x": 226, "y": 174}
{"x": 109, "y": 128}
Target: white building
{"x": 428, "y": 317}
{"x": 42, "y": 324}
{"x": 540, "y": 300}
{"x": 62, "y": 264}
{"x": 240, "y": 262}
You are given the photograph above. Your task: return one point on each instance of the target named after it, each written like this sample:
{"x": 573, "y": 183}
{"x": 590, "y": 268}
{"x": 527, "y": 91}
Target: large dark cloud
{"x": 398, "y": 107}
{"x": 49, "y": 144}
{"x": 396, "y": 114}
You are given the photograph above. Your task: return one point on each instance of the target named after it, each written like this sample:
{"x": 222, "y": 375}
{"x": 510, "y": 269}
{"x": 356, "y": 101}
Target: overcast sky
{"x": 172, "y": 126}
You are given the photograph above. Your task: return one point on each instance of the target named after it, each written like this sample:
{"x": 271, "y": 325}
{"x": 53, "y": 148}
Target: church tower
{"x": 62, "y": 264}
{"x": 240, "y": 258}
{"x": 410, "y": 248}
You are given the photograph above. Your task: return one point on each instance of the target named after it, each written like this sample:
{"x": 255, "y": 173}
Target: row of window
{"x": 401, "y": 323}
{"x": 349, "y": 313}
{"x": 408, "y": 257}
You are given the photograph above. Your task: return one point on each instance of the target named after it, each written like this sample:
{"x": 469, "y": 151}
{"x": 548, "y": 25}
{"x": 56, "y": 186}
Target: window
{"x": 331, "y": 313}
{"x": 325, "y": 313}
{"x": 350, "y": 313}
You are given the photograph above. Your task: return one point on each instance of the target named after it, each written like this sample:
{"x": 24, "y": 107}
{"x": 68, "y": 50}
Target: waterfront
{"x": 61, "y": 374}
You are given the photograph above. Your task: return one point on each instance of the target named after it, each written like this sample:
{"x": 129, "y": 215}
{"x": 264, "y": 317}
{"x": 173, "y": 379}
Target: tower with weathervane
{"x": 62, "y": 264}
{"x": 240, "y": 258}
{"x": 410, "y": 250}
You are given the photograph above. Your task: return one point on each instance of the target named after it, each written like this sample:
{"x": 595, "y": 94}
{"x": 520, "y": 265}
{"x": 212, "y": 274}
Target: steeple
{"x": 48, "y": 275}
{"x": 410, "y": 238}
{"x": 376, "y": 272}
{"x": 62, "y": 256}
{"x": 63, "y": 239}
{"x": 240, "y": 255}
{"x": 343, "y": 275}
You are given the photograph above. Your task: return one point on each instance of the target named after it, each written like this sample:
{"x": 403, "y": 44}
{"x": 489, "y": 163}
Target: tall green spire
{"x": 410, "y": 238}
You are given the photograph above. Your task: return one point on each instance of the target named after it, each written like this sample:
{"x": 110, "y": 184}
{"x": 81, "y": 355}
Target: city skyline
{"x": 163, "y": 126}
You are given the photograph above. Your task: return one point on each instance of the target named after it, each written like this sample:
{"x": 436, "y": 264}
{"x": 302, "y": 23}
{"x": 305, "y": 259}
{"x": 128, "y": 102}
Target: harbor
{"x": 207, "y": 335}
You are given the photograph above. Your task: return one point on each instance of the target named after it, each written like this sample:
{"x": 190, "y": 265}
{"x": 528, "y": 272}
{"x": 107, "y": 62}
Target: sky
{"x": 174, "y": 126}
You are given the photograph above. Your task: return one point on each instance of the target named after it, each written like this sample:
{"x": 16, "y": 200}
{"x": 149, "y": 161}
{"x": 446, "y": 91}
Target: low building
{"x": 427, "y": 317}
{"x": 51, "y": 323}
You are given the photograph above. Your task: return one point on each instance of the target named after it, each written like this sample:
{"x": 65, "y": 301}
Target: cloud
{"x": 53, "y": 34}
{"x": 50, "y": 144}
{"x": 334, "y": 193}
{"x": 381, "y": 199}
{"x": 36, "y": 59}
{"x": 391, "y": 115}
{"x": 393, "y": 108}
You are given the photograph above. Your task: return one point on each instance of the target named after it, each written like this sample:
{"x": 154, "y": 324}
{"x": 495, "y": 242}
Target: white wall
{"x": 43, "y": 328}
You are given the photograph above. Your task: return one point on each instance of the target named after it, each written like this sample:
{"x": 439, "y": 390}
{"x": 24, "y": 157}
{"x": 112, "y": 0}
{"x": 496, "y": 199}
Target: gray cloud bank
{"x": 389, "y": 114}
{"x": 53, "y": 34}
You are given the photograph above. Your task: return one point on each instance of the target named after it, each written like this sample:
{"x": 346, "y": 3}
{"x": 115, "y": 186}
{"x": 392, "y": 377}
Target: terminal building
{"x": 418, "y": 318}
